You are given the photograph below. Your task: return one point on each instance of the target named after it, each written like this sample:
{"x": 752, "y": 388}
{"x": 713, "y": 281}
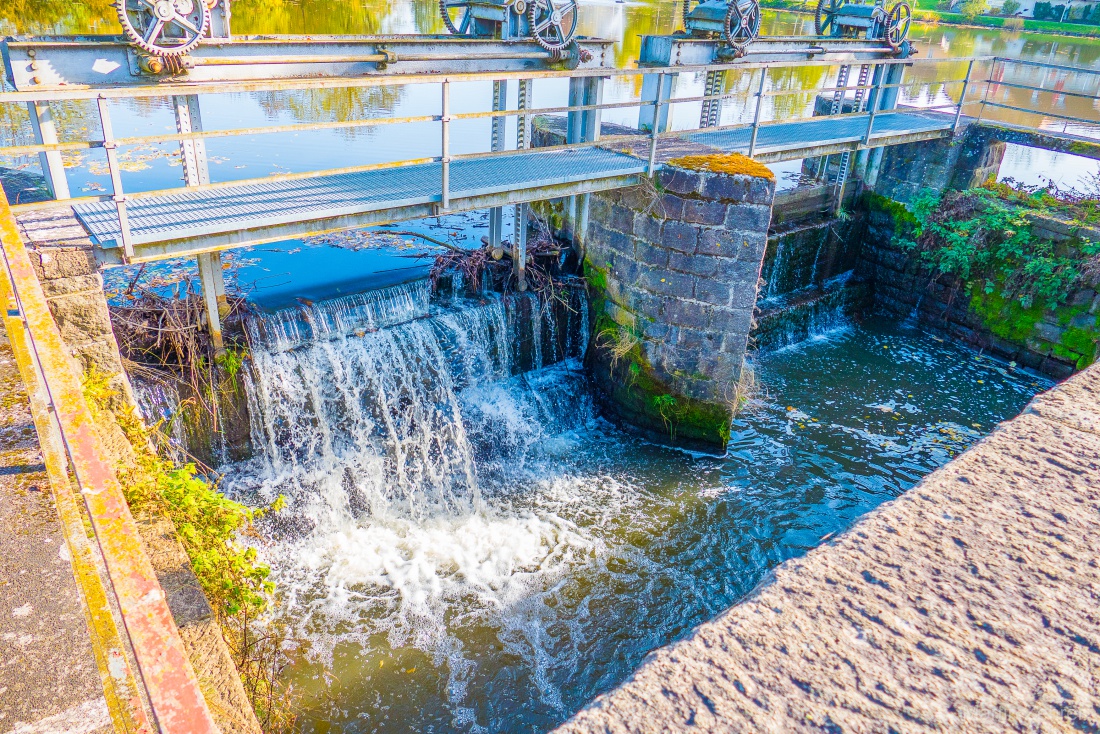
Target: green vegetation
{"x": 930, "y": 11}
{"x": 208, "y": 526}
{"x": 987, "y": 243}
{"x": 642, "y": 394}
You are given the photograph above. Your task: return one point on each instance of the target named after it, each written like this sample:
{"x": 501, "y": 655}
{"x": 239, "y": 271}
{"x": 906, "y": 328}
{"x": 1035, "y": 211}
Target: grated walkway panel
{"x": 200, "y": 213}
{"x": 190, "y": 215}
{"x": 805, "y": 134}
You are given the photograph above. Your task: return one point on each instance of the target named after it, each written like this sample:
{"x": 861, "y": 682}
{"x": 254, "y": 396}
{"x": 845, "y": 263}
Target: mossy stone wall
{"x": 673, "y": 271}
{"x": 1056, "y": 341}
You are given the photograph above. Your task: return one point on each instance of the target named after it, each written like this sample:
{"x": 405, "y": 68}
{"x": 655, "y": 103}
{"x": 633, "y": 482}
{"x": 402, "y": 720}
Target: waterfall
{"x": 384, "y": 420}
{"x": 367, "y": 311}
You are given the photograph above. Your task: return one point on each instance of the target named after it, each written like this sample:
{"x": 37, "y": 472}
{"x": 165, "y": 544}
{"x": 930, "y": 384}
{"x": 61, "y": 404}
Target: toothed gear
{"x": 465, "y": 26}
{"x": 742, "y": 23}
{"x": 897, "y": 24}
{"x": 553, "y": 23}
{"x": 164, "y": 27}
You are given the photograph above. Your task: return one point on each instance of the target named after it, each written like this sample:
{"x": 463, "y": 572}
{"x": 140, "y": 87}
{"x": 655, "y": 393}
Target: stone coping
{"x": 969, "y": 604}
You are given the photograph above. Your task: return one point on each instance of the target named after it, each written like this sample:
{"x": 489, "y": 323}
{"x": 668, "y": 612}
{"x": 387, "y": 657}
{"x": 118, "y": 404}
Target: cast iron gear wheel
{"x": 465, "y": 25}
{"x": 825, "y": 16}
{"x": 897, "y": 24}
{"x": 742, "y": 23}
{"x": 164, "y": 27}
{"x": 687, "y": 10}
{"x": 553, "y": 22}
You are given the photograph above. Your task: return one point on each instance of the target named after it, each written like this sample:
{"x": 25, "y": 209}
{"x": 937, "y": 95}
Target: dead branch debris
{"x": 486, "y": 267}
{"x": 167, "y": 334}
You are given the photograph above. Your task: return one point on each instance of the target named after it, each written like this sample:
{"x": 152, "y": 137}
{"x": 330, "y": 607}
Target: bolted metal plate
{"x": 201, "y": 213}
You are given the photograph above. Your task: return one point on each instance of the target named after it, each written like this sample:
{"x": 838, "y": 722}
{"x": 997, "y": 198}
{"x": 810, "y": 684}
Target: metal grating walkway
{"x": 796, "y": 138}
{"x": 177, "y": 224}
{"x": 196, "y": 214}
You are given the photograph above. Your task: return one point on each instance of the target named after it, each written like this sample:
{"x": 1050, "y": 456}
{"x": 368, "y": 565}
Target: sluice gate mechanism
{"x": 552, "y": 24}
{"x": 190, "y": 42}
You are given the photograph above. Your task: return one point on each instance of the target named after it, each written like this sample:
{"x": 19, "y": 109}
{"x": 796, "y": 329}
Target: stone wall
{"x": 966, "y": 160}
{"x": 676, "y": 267}
{"x": 62, "y": 257}
{"x": 1056, "y": 342}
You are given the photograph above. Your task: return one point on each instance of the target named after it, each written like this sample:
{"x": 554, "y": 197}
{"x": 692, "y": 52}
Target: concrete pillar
{"x": 674, "y": 284}
{"x": 45, "y": 133}
{"x": 519, "y": 251}
{"x": 213, "y": 284}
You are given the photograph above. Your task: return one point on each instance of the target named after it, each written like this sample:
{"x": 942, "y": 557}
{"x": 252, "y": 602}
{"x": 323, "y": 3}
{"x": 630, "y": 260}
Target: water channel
{"x": 468, "y": 545}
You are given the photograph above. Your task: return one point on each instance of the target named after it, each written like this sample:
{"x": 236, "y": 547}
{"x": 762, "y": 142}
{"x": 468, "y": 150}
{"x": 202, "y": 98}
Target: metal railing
{"x": 999, "y": 67}
{"x": 70, "y": 441}
{"x": 110, "y": 142}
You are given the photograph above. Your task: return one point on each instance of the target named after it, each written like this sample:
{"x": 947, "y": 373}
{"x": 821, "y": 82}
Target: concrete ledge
{"x": 971, "y": 603}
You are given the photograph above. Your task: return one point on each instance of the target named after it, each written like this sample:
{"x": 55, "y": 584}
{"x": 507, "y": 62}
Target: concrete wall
{"x": 966, "y": 605}
{"x": 62, "y": 258}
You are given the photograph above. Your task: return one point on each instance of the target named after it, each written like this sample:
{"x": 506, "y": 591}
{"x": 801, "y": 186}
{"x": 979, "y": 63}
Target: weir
{"x": 403, "y": 425}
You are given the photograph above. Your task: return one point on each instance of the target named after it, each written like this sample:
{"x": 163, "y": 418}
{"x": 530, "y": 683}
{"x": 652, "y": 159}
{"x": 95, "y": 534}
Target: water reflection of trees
{"x": 326, "y": 105}
{"x": 58, "y": 16}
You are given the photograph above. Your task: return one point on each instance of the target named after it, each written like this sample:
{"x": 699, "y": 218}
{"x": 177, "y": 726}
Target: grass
{"x": 925, "y": 12}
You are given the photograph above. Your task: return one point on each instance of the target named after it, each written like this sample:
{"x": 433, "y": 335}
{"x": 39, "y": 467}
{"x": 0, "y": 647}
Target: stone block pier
{"x": 968, "y": 604}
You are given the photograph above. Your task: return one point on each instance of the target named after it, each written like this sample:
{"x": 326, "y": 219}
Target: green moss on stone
{"x": 1081, "y": 345}
{"x": 1005, "y": 318}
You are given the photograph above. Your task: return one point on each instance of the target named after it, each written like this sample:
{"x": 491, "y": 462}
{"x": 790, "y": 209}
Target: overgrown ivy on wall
{"x": 987, "y": 245}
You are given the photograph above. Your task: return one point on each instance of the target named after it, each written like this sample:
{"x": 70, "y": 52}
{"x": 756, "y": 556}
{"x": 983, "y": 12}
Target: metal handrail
{"x": 165, "y": 669}
{"x": 239, "y": 87}
{"x": 18, "y": 150}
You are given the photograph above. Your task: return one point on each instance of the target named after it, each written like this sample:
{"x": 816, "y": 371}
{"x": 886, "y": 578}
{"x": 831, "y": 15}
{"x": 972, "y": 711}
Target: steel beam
{"x": 58, "y": 62}
{"x": 45, "y": 132}
{"x": 686, "y": 51}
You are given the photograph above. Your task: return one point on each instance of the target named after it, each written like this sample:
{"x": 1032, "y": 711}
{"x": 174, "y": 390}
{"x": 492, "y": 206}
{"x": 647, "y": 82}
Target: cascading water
{"x": 376, "y": 417}
{"x": 809, "y": 285}
{"x": 468, "y": 547}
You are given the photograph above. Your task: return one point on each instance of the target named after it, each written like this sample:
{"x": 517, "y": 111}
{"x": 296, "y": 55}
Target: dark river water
{"x": 468, "y": 546}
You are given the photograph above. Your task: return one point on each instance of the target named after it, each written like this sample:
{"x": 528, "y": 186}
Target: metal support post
{"x": 496, "y": 214}
{"x": 580, "y": 233}
{"x": 519, "y": 250}
{"x": 445, "y": 155}
{"x": 584, "y": 125}
{"x": 45, "y": 133}
{"x": 196, "y": 171}
{"x": 654, "y": 131}
{"x": 962, "y": 96}
{"x": 209, "y": 273}
{"x": 872, "y": 110}
{"x": 756, "y": 116}
{"x": 873, "y": 167}
{"x": 655, "y": 113}
{"x": 117, "y": 194}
